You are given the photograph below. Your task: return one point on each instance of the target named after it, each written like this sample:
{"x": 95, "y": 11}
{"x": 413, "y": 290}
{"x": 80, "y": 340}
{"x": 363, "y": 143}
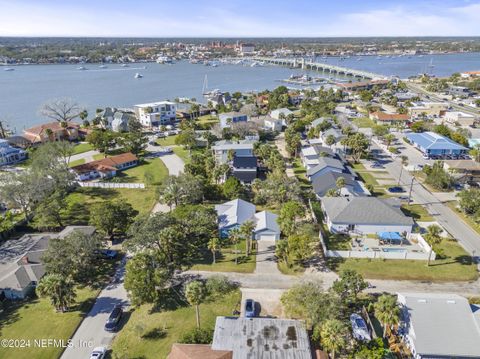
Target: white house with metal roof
{"x": 437, "y": 326}
{"x": 266, "y": 226}
{"x": 365, "y": 215}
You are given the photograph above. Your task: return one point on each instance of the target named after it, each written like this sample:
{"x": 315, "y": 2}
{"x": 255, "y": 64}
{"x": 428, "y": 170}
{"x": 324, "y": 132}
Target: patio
{"x": 386, "y": 243}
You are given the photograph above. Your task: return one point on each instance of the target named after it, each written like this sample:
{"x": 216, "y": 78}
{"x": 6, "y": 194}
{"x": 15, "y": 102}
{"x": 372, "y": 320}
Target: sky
{"x": 239, "y": 18}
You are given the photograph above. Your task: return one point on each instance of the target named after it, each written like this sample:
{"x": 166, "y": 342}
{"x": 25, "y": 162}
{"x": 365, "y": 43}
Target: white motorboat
{"x": 8, "y": 69}
{"x": 138, "y": 75}
{"x": 81, "y": 68}
{"x": 103, "y": 66}
{"x": 124, "y": 65}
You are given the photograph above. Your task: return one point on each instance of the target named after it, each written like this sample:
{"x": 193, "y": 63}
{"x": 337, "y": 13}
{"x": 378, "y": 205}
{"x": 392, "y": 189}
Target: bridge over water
{"x": 318, "y": 66}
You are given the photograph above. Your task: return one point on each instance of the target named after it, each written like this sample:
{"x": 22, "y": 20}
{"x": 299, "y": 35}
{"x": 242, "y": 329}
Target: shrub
{"x": 219, "y": 284}
{"x": 197, "y": 336}
{"x": 393, "y": 149}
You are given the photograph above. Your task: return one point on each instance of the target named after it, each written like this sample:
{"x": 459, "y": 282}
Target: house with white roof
{"x": 266, "y": 226}
{"x": 440, "y": 325}
{"x": 272, "y": 124}
{"x": 233, "y": 214}
{"x": 281, "y": 114}
{"x": 155, "y": 114}
{"x": 462, "y": 118}
{"x": 229, "y": 118}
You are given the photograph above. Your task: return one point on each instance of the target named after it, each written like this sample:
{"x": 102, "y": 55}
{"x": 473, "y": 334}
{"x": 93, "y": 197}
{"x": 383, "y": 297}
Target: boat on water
{"x": 164, "y": 60}
{"x": 138, "y": 75}
{"x": 81, "y": 68}
{"x": 8, "y": 69}
{"x": 124, "y": 65}
{"x": 103, "y": 66}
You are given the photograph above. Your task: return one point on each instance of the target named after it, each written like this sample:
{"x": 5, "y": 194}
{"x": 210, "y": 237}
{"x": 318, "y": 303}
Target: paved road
{"x": 461, "y": 231}
{"x": 91, "y": 330}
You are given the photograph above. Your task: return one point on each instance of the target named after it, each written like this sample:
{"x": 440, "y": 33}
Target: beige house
{"x": 462, "y": 118}
{"x": 53, "y": 131}
{"x": 428, "y": 108}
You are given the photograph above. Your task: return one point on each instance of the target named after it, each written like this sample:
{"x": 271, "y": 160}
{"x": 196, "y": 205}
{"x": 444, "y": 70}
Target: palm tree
{"x": 49, "y": 134}
{"x": 433, "y": 238}
{"x": 214, "y": 246}
{"x": 247, "y": 229}
{"x": 334, "y": 336}
{"x": 330, "y": 140}
{"x": 59, "y": 289}
{"x": 404, "y": 160}
{"x": 170, "y": 192}
{"x": 387, "y": 311}
{"x": 340, "y": 183}
{"x": 234, "y": 236}
{"x": 389, "y": 138}
{"x": 195, "y": 294}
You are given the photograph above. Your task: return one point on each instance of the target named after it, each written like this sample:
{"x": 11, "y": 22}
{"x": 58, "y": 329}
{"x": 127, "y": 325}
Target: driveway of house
{"x": 266, "y": 260}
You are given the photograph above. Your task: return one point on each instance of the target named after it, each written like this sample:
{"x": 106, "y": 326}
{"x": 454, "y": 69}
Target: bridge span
{"x": 318, "y": 66}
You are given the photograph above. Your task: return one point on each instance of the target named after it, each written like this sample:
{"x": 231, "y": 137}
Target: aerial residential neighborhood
{"x": 215, "y": 182}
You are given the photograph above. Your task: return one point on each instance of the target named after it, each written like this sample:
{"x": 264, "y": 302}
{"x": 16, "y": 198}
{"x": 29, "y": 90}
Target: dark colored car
{"x": 249, "y": 308}
{"x": 109, "y": 253}
{"x": 114, "y": 319}
{"x": 396, "y": 189}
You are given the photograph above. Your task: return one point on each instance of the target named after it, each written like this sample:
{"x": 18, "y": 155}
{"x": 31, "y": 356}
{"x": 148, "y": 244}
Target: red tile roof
{"x": 54, "y": 126}
{"x": 106, "y": 164}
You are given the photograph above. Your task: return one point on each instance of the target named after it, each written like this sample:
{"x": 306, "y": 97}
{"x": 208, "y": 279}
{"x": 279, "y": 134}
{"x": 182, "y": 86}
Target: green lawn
{"x": 129, "y": 343}
{"x": 363, "y": 122}
{"x": 82, "y": 147}
{"x": 293, "y": 270}
{"x": 454, "y": 265}
{"x": 155, "y": 167}
{"x": 78, "y": 162}
{"x": 167, "y": 141}
{"x": 36, "y": 318}
{"x": 358, "y": 166}
{"x": 206, "y": 122}
{"x": 418, "y": 212}
{"x": 225, "y": 261}
{"x": 301, "y": 173}
{"x": 467, "y": 219}
{"x": 182, "y": 153}
{"x": 98, "y": 156}
{"x": 80, "y": 201}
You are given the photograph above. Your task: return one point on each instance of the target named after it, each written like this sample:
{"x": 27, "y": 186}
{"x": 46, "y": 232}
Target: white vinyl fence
{"x": 111, "y": 185}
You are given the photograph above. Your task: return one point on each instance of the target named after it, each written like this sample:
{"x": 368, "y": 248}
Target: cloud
{"x": 234, "y": 18}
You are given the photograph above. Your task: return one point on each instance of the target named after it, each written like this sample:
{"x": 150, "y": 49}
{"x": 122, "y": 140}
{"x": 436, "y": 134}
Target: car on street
{"x": 114, "y": 319}
{"x": 98, "y": 353}
{"x": 249, "y": 308}
{"x": 377, "y": 165}
{"x": 396, "y": 189}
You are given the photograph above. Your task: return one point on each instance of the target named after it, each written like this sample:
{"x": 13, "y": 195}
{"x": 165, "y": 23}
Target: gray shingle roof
{"x": 321, "y": 184}
{"x": 326, "y": 162}
{"x": 364, "y": 210}
{"x": 234, "y": 212}
{"x": 266, "y": 221}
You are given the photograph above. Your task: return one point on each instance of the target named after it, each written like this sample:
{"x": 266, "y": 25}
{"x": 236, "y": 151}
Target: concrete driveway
{"x": 91, "y": 333}
{"x": 266, "y": 260}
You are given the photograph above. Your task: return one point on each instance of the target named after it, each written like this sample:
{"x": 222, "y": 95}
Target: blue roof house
{"x": 430, "y": 143}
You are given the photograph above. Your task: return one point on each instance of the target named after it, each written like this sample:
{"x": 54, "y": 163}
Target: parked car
{"x": 249, "y": 308}
{"x": 109, "y": 253}
{"x": 166, "y": 150}
{"x": 98, "y": 353}
{"x": 396, "y": 189}
{"x": 359, "y": 328}
{"x": 377, "y": 165}
{"x": 114, "y": 319}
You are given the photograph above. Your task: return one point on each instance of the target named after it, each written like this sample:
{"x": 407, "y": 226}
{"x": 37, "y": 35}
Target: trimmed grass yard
{"x": 363, "y": 122}
{"x": 225, "y": 260}
{"x": 36, "y": 319}
{"x": 301, "y": 173}
{"x": 167, "y": 141}
{"x": 182, "y": 153}
{"x": 80, "y": 201}
{"x": 129, "y": 343}
{"x": 78, "y": 162}
{"x": 82, "y": 147}
{"x": 154, "y": 167}
{"x": 454, "y": 265}
{"x": 418, "y": 212}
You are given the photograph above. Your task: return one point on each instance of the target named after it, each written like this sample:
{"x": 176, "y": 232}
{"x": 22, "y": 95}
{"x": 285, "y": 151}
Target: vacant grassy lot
{"x": 225, "y": 260}
{"x": 80, "y": 201}
{"x": 82, "y": 147}
{"x": 154, "y": 167}
{"x": 418, "y": 213}
{"x": 167, "y": 141}
{"x": 454, "y": 264}
{"x": 363, "y": 122}
{"x": 130, "y": 343}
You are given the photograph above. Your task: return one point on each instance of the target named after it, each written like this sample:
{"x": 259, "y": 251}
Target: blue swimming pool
{"x": 399, "y": 250}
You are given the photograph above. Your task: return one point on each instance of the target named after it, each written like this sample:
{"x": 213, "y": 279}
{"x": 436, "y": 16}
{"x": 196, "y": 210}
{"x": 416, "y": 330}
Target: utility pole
{"x": 410, "y": 193}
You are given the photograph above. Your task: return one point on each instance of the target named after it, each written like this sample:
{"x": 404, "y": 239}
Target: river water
{"x": 23, "y": 91}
